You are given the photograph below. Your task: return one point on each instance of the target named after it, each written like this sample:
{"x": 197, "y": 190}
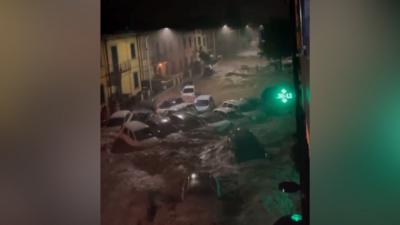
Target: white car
{"x": 172, "y": 105}
{"x": 229, "y": 104}
{"x": 204, "y": 103}
{"x": 113, "y": 126}
{"x": 188, "y": 93}
{"x": 137, "y": 134}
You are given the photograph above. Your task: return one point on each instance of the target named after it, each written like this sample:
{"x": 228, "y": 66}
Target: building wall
{"x": 129, "y": 64}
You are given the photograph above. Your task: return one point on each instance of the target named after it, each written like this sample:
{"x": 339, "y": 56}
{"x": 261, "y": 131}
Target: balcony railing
{"x": 122, "y": 67}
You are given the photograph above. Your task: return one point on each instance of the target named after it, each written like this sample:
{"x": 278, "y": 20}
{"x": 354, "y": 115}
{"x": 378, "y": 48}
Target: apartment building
{"x": 124, "y": 68}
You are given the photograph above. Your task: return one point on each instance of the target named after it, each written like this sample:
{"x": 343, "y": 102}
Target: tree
{"x": 275, "y": 41}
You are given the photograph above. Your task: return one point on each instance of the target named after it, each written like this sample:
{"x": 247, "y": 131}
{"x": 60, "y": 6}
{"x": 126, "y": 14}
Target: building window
{"x": 190, "y": 42}
{"x": 184, "y": 43}
{"x": 204, "y": 41}
{"x": 199, "y": 41}
{"x": 136, "y": 79}
{"x": 133, "y": 51}
{"x": 114, "y": 57}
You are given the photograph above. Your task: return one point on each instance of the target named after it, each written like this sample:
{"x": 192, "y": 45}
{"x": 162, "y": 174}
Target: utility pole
{"x": 301, "y": 150}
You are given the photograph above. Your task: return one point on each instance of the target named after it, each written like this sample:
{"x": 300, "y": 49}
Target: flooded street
{"x": 145, "y": 185}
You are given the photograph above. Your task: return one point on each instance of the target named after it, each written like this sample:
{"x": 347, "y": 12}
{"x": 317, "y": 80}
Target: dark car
{"x": 186, "y": 121}
{"x": 162, "y": 126}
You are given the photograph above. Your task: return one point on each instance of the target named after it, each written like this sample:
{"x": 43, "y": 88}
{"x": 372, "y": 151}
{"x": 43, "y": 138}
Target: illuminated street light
{"x": 261, "y": 27}
{"x": 226, "y": 29}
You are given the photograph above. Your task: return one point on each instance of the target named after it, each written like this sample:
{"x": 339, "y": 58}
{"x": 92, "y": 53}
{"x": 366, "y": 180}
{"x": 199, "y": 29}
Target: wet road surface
{"x": 143, "y": 185}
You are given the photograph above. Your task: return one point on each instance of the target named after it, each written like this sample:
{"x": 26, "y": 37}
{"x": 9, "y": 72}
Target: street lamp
{"x": 226, "y": 29}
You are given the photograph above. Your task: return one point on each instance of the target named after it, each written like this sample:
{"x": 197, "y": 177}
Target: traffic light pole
{"x": 301, "y": 152}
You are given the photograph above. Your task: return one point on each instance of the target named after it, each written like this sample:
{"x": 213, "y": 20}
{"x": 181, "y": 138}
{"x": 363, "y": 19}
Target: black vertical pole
{"x": 301, "y": 147}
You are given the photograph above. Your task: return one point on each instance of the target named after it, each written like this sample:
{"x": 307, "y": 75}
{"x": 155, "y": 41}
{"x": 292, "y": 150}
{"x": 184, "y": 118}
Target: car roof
{"x": 203, "y": 97}
{"x": 135, "y": 125}
{"x": 188, "y": 86}
{"x": 120, "y": 114}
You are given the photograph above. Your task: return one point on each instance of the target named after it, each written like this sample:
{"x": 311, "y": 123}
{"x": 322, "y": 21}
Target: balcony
{"x": 122, "y": 67}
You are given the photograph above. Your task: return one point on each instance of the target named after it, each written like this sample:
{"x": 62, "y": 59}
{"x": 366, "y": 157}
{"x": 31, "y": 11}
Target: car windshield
{"x": 114, "y": 122}
{"x": 143, "y": 134}
{"x": 188, "y": 90}
{"x": 202, "y": 103}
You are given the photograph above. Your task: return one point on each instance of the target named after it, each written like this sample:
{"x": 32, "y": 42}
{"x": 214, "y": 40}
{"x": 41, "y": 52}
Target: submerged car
{"x": 136, "y": 133}
{"x": 186, "y": 121}
{"x": 173, "y": 105}
{"x": 161, "y": 125}
{"x": 229, "y": 104}
{"x": 188, "y": 93}
{"x": 204, "y": 103}
{"x": 113, "y": 126}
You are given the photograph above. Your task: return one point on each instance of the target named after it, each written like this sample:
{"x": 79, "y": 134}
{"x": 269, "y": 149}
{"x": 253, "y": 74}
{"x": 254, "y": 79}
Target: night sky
{"x": 144, "y": 15}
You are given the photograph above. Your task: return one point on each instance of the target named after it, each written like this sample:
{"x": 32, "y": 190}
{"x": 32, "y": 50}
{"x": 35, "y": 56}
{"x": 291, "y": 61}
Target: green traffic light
{"x": 284, "y": 95}
{"x": 296, "y": 217}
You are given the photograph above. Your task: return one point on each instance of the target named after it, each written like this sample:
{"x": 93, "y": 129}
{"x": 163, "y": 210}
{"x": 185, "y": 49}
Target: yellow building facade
{"x": 123, "y": 61}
